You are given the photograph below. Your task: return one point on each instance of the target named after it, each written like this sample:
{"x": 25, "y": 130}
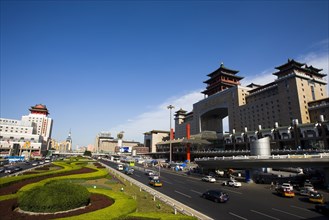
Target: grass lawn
{"x": 130, "y": 201}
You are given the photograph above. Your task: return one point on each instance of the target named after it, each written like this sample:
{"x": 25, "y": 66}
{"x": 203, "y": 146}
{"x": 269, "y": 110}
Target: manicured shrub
{"x": 54, "y": 197}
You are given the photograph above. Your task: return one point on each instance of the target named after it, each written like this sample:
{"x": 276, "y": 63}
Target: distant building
{"x": 105, "y": 143}
{"x": 90, "y": 148}
{"x": 29, "y": 137}
{"x": 151, "y": 138}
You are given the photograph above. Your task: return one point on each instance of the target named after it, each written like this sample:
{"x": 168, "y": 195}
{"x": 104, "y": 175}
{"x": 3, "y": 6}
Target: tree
{"x": 87, "y": 153}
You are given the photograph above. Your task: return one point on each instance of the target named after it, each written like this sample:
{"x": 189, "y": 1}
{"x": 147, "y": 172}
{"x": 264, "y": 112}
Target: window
{"x": 313, "y": 94}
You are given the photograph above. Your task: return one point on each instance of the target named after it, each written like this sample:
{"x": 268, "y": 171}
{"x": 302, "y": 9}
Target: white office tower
{"x": 43, "y": 124}
{"x": 29, "y": 137}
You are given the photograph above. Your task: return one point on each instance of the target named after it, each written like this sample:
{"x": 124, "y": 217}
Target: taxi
{"x": 316, "y": 197}
{"x": 285, "y": 192}
{"x": 155, "y": 182}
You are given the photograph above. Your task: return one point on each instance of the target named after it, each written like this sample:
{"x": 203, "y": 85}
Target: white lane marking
{"x": 301, "y": 208}
{"x": 137, "y": 175}
{"x": 265, "y": 215}
{"x": 183, "y": 194}
{"x": 232, "y": 191}
{"x": 288, "y": 213}
{"x": 196, "y": 192}
{"x": 166, "y": 181}
{"x": 238, "y": 216}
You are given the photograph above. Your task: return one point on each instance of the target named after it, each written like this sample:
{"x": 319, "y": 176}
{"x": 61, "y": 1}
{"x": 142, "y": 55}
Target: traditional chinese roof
{"x": 180, "y": 112}
{"x": 292, "y": 64}
{"x": 223, "y": 70}
{"x": 39, "y": 109}
{"x": 253, "y": 85}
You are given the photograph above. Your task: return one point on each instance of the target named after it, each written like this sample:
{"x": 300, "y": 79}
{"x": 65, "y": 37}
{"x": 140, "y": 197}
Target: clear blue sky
{"x": 115, "y": 65}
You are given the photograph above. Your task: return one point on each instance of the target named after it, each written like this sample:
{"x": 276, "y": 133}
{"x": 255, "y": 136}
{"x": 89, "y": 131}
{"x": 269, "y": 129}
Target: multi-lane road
{"x": 251, "y": 201}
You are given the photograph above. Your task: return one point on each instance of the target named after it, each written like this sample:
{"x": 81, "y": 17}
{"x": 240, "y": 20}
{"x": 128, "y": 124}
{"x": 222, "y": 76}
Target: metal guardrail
{"x": 177, "y": 206}
{"x": 270, "y": 157}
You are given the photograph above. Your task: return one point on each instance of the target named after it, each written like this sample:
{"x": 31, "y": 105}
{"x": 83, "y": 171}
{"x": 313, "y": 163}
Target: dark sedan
{"x": 216, "y": 196}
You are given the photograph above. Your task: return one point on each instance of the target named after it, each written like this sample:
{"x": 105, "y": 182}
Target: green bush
{"x": 54, "y": 197}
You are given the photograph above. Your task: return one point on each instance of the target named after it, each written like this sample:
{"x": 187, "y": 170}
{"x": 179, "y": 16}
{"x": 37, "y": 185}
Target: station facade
{"x": 292, "y": 110}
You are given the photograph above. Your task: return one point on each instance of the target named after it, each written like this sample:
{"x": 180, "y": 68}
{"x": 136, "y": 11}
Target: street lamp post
{"x": 170, "y": 107}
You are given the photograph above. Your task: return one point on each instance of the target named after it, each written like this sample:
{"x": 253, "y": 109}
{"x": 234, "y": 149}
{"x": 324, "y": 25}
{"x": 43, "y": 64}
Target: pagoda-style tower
{"x": 39, "y": 109}
{"x": 221, "y": 79}
{"x": 291, "y": 65}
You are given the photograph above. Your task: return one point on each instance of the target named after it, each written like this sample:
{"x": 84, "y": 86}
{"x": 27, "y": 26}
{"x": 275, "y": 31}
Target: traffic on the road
{"x": 231, "y": 198}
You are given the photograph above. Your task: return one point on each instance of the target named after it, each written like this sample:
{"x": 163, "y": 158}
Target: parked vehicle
{"x": 35, "y": 163}
{"x": 209, "y": 179}
{"x": 216, "y": 196}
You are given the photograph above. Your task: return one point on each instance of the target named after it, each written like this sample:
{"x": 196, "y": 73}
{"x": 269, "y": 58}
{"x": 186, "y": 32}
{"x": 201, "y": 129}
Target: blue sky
{"x": 115, "y": 65}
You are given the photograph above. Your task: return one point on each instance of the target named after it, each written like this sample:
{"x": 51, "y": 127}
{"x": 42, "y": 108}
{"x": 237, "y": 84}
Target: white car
{"x": 308, "y": 186}
{"x": 305, "y": 191}
{"x": 232, "y": 183}
{"x": 209, "y": 179}
{"x": 149, "y": 173}
{"x": 119, "y": 167}
{"x": 287, "y": 186}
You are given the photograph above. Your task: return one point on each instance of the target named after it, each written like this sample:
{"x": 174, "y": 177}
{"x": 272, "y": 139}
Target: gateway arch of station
{"x": 213, "y": 114}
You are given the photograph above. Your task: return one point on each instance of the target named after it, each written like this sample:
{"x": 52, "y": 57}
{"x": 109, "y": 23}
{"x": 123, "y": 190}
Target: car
{"x": 324, "y": 209}
{"x": 154, "y": 177}
{"x": 233, "y": 183}
{"x": 35, "y": 163}
{"x": 309, "y": 186}
{"x": 2, "y": 169}
{"x": 285, "y": 192}
{"x": 316, "y": 197}
{"x": 149, "y": 172}
{"x": 17, "y": 168}
{"x": 155, "y": 183}
{"x": 287, "y": 185}
{"x": 216, "y": 196}
{"x": 209, "y": 179}
{"x": 304, "y": 191}
{"x": 10, "y": 169}
{"x": 119, "y": 167}
{"x": 129, "y": 171}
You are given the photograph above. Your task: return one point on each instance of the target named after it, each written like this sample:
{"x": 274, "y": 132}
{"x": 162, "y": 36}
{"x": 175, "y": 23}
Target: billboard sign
{"x": 125, "y": 149}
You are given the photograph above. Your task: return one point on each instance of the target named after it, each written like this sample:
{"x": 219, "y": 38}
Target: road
{"x": 251, "y": 201}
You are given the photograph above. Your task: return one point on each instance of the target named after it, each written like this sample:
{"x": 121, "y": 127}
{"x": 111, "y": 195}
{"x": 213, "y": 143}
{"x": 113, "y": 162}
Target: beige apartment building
{"x": 288, "y": 98}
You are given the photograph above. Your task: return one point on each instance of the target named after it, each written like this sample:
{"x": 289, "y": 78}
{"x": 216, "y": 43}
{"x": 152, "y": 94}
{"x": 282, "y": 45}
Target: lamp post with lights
{"x": 170, "y": 107}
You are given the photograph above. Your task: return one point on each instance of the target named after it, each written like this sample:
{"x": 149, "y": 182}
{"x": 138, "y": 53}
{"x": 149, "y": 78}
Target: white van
{"x": 120, "y": 167}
